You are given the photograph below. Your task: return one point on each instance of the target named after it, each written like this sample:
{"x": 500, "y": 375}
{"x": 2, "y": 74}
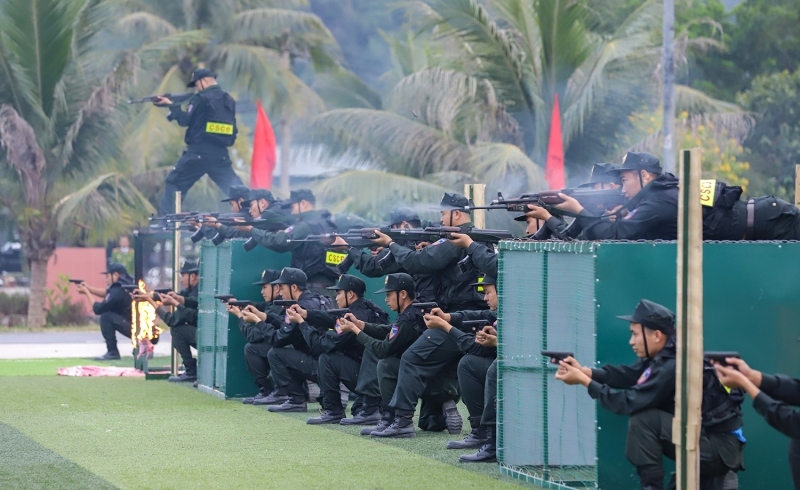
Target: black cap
{"x": 639, "y": 161}
{"x": 198, "y": 74}
{"x": 398, "y": 282}
{"x": 300, "y": 195}
{"x": 256, "y": 194}
{"x": 451, "y": 200}
{"x": 115, "y": 267}
{"x": 653, "y": 316}
{"x": 237, "y": 192}
{"x": 267, "y": 277}
{"x": 290, "y": 275}
{"x": 485, "y": 281}
{"x": 402, "y": 214}
{"x": 603, "y": 173}
{"x": 522, "y": 218}
{"x": 350, "y": 283}
{"x": 190, "y": 267}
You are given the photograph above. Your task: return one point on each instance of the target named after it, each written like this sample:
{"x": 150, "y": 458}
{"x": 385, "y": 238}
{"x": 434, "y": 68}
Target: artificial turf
{"x": 77, "y": 433}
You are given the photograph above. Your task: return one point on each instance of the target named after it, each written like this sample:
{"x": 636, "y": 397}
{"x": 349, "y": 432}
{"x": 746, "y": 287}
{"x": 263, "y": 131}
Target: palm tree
{"x": 257, "y": 46}
{"x": 57, "y": 130}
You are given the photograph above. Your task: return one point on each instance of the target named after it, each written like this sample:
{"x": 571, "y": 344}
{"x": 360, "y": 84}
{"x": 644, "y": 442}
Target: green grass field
{"x": 97, "y": 433}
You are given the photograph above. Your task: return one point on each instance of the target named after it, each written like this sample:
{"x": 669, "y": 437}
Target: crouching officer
{"x": 344, "y": 360}
{"x": 259, "y": 330}
{"x": 114, "y": 310}
{"x": 293, "y": 358}
{"x": 645, "y": 391}
{"x": 773, "y": 397}
{"x": 182, "y": 321}
{"x": 210, "y": 122}
{"x": 388, "y": 342}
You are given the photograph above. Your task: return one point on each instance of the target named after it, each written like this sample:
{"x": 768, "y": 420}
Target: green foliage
{"x": 13, "y": 304}
{"x": 774, "y": 146}
{"x": 60, "y": 308}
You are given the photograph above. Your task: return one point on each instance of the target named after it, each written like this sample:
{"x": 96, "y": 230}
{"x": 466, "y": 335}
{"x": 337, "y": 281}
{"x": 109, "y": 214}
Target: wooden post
{"x": 176, "y": 276}
{"x": 797, "y": 185}
{"x": 477, "y": 192}
{"x": 689, "y": 374}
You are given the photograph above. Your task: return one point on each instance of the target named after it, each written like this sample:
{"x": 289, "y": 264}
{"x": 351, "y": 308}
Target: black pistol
{"x": 556, "y": 356}
{"x": 720, "y": 356}
{"x": 285, "y": 303}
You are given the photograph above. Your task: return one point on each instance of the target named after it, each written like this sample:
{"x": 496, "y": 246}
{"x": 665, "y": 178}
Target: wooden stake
{"x": 477, "y": 192}
{"x": 689, "y": 374}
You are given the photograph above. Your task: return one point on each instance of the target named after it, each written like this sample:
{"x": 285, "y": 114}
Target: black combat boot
{"x": 474, "y": 439}
{"x": 487, "y": 453}
{"x": 402, "y": 427}
{"x": 387, "y": 417}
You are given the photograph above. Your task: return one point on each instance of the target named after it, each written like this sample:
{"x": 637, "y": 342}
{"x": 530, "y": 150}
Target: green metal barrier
{"x": 228, "y": 269}
{"x": 566, "y": 296}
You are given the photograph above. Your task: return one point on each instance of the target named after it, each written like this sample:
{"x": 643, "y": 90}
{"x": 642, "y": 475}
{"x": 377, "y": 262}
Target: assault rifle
{"x": 175, "y": 98}
{"x": 365, "y": 236}
{"x": 605, "y": 198}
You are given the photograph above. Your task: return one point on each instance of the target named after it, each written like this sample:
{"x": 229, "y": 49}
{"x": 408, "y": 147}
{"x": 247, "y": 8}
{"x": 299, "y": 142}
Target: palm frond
{"x": 378, "y": 193}
{"x": 180, "y": 39}
{"x": 145, "y": 26}
{"x": 461, "y": 106}
{"x": 24, "y": 155}
{"x": 342, "y": 89}
{"x": 257, "y": 25}
{"x": 393, "y": 142}
{"x": 105, "y": 207}
{"x": 506, "y": 167}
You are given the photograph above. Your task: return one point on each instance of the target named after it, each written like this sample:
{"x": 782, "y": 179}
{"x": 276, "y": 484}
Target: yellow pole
{"x": 477, "y": 192}
{"x": 689, "y": 374}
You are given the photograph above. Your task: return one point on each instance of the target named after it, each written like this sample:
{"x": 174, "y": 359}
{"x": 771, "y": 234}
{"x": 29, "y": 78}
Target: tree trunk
{"x": 37, "y": 315}
{"x": 286, "y": 145}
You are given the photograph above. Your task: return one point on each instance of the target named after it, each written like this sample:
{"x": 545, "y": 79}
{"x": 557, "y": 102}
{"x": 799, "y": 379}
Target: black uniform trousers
{"x": 650, "y": 438}
{"x": 184, "y": 337}
{"x": 472, "y": 371}
{"x": 110, "y": 324}
{"x": 359, "y": 377}
{"x": 255, "y": 355}
{"x": 191, "y": 166}
{"x": 431, "y": 417}
{"x": 425, "y": 360}
{"x": 489, "y": 417}
{"x": 290, "y": 369}
{"x": 794, "y": 461}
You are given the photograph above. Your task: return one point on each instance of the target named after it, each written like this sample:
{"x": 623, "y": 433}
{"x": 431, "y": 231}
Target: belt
{"x": 751, "y": 218}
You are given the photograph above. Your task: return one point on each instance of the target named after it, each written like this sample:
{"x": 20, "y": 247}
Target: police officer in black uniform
{"x": 344, "y": 360}
{"x": 210, "y": 122}
{"x": 114, "y": 310}
{"x": 237, "y": 196}
{"x": 645, "y": 391}
{"x": 293, "y": 357}
{"x": 652, "y": 207}
{"x": 474, "y": 365}
{"x": 381, "y": 262}
{"x": 259, "y": 330}
{"x": 442, "y": 258}
{"x": 182, "y": 320}
{"x": 388, "y": 342}
{"x": 604, "y": 176}
{"x": 773, "y": 397}
{"x": 310, "y": 257}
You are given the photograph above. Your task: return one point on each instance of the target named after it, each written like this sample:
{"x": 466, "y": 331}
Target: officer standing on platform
{"x": 210, "y": 122}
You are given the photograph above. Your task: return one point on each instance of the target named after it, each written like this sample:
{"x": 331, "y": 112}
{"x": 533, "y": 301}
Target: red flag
{"x": 264, "y": 155}
{"x": 554, "y": 169}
